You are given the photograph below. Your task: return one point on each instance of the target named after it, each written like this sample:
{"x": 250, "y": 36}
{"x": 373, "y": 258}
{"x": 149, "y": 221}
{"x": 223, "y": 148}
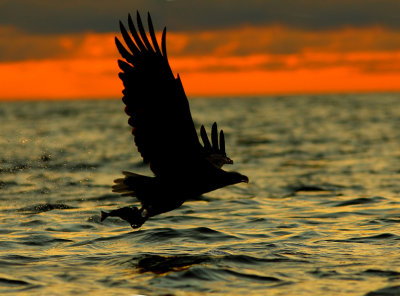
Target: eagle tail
{"x": 130, "y": 184}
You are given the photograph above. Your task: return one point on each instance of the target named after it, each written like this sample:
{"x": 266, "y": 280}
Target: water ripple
{"x": 40, "y": 208}
{"x": 320, "y": 215}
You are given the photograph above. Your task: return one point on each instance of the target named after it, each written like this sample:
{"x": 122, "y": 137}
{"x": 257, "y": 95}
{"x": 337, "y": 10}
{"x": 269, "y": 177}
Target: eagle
{"x": 164, "y": 132}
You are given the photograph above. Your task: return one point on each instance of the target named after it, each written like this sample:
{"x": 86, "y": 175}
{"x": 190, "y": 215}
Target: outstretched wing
{"x": 155, "y": 101}
{"x": 215, "y": 153}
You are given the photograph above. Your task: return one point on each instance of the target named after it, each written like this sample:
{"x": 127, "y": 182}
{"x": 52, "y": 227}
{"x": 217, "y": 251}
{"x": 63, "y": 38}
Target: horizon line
{"x": 215, "y": 96}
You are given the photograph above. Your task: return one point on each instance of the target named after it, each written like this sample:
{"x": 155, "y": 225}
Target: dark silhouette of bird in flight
{"x": 164, "y": 132}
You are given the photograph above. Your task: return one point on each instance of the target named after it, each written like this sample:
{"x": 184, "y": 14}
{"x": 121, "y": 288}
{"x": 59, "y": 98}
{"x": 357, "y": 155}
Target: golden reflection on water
{"x": 320, "y": 215}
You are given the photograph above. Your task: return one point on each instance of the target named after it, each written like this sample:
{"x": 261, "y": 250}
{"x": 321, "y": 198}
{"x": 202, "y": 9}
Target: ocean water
{"x": 320, "y": 215}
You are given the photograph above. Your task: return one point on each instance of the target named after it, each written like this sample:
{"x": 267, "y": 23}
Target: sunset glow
{"x": 234, "y": 62}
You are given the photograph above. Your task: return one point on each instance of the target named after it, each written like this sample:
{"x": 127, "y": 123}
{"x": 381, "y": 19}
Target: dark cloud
{"x": 279, "y": 40}
{"x": 49, "y": 16}
{"x": 241, "y": 42}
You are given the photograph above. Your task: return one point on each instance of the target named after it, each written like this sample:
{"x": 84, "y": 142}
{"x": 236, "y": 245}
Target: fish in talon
{"x": 132, "y": 215}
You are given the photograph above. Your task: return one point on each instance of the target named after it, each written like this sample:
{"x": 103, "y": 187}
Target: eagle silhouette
{"x": 164, "y": 132}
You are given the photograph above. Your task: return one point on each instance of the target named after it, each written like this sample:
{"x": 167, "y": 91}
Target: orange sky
{"x": 241, "y": 61}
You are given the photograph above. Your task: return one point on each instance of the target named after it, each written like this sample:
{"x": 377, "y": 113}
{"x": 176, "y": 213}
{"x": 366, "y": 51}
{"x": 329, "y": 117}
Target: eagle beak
{"x": 245, "y": 179}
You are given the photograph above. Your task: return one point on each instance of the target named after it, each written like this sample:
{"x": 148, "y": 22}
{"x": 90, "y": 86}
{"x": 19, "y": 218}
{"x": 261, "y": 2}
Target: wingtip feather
{"x": 143, "y": 32}
{"x": 204, "y": 138}
{"x": 135, "y": 35}
{"x": 214, "y": 136}
{"x": 122, "y": 50}
{"x": 222, "y": 142}
{"x": 163, "y": 42}
{"x": 152, "y": 34}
